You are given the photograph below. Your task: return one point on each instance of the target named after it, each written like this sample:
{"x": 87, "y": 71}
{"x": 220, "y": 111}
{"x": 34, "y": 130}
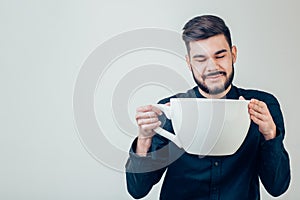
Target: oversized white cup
{"x": 206, "y": 126}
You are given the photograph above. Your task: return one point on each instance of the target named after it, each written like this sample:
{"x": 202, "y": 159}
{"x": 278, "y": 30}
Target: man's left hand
{"x": 260, "y": 115}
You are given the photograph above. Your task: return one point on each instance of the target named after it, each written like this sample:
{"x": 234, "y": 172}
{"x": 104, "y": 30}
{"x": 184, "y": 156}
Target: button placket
{"x": 215, "y": 179}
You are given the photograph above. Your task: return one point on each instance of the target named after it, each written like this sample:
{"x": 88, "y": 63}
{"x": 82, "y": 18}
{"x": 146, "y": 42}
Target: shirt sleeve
{"x": 274, "y": 164}
{"x": 144, "y": 172}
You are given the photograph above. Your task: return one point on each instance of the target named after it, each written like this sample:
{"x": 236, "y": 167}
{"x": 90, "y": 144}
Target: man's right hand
{"x": 147, "y": 120}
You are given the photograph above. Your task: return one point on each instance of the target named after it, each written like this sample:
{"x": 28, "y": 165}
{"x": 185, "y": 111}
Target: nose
{"x": 211, "y": 64}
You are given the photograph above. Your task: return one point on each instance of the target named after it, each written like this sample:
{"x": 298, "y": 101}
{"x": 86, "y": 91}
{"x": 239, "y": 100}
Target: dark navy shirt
{"x": 233, "y": 177}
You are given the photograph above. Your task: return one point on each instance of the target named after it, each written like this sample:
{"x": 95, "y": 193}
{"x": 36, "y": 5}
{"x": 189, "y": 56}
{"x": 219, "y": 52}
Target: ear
{"x": 234, "y": 53}
{"x": 188, "y": 62}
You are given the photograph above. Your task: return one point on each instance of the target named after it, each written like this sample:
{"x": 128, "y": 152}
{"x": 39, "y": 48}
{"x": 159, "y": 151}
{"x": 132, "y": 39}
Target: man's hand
{"x": 147, "y": 120}
{"x": 260, "y": 115}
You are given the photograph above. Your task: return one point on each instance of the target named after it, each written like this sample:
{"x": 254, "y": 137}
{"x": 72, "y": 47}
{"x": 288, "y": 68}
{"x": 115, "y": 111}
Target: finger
{"x": 258, "y": 106}
{"x": 142, "y": 115}
{"x": 147, "y": 121}
{"x": 149, "y": 108}
{"x": 255, "y": 120}
{"x": 255, "y": 107}
{"x": 168, "y": 104}
{"x": 257, "y": 114}
{"x": 145, "y": 115}
{"x": 144, "y": 108}
{"x": 241, "y": 98}
{"x": 150, "y": 127}
{"x": 259, "y": 103}
{"x": 157, "y": 110}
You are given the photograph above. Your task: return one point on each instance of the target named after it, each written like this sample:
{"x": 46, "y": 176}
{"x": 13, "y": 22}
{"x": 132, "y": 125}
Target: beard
{"x": 216, "y": 90}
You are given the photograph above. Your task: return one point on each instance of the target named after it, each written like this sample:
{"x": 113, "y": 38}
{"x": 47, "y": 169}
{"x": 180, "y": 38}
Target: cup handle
{"x": 167, "y": 110}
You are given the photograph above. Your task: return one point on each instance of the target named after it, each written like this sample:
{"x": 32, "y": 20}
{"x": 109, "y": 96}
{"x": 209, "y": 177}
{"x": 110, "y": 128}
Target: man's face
{"x": 211, "y": 62}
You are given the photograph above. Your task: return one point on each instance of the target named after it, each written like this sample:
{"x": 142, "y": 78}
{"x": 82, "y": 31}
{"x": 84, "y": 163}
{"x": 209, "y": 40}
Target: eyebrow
{"x": 203, "y": 56}
{"x": 220, "y": 51}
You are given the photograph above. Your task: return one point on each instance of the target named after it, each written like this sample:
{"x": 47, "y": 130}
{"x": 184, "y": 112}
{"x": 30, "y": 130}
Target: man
{"x": 211, "y": 57}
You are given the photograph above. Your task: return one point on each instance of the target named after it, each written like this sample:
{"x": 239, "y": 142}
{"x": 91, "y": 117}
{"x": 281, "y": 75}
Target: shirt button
{"x": 216, "y": 164}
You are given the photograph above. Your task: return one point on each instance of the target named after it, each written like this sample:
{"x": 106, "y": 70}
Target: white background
{"x": 43, "y": 45}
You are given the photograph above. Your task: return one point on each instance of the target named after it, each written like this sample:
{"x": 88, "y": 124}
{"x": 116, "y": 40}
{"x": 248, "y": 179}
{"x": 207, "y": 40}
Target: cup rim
{"x": 208, "y": 100}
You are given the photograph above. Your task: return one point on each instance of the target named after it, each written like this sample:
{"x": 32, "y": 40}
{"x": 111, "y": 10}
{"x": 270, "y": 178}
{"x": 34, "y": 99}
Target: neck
{"x": 214, "y": 96}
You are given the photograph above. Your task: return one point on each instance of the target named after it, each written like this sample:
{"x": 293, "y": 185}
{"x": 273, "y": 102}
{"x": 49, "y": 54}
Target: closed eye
{"x": 201, "y": 60}
{"x": 222, "y": 56}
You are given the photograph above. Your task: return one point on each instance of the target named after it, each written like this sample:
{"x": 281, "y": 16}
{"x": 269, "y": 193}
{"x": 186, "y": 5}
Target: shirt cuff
{"x": 143, "y": 164}
{"x": 274, "y": 145}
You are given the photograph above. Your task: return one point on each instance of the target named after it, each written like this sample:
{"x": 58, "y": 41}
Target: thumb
{"x": 241, "y": 98}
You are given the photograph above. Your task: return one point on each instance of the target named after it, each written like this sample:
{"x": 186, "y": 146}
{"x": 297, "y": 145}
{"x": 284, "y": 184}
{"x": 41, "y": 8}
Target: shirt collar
{"x": 232, "y": 93}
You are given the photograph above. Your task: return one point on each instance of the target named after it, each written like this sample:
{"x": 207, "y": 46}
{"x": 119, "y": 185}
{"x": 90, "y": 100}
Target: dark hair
{"x": 203, "y": 27}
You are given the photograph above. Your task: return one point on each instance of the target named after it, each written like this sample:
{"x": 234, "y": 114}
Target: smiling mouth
{"x": 214, "y": 75}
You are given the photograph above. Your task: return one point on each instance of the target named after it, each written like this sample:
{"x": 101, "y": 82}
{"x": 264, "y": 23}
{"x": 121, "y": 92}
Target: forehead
{"x": 209, "y": 45}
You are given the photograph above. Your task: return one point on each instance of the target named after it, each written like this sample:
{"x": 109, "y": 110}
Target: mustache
{"x": 213, "y": 74}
